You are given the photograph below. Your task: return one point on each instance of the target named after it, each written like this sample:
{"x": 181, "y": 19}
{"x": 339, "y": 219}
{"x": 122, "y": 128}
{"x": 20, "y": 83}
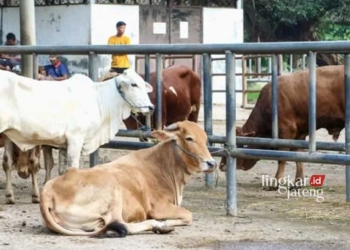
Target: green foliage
{"x": 291, "y": 12}
{"x": 328, "y": 32}
{"x": 278, "y": 20}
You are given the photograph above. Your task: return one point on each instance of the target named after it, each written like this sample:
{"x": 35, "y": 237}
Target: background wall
{"x": 221, "y": 25}
{"x": 95, "y": 23}
{"x": 55, "y": 25}
{"x": 103, "y": 25}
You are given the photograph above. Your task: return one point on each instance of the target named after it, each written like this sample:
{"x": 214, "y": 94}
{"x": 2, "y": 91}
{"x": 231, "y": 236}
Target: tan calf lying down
{"x": 133, "y": 193}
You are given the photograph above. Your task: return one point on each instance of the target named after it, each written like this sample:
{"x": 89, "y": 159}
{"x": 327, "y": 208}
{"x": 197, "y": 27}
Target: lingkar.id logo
{"x": 285, "y": 184}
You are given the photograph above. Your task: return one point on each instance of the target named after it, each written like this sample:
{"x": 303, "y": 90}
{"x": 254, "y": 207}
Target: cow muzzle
{"x": 147, "y": 110}
{"x": 23, "y": 173}
{"x": 210, "y": 166}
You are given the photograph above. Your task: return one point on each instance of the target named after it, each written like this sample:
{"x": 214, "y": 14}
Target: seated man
{"x": 10, "y": 61}
{"x": 56, "y": 71}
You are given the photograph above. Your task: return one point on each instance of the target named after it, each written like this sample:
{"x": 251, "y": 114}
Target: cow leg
{"x": 170, "y": 216}
{"x": 49, "y": 163}
{"x": 299, "y": 176}
{"x": 278, "y": 176}
{"x": 7, "y": 165}
{"x": 173, "y": 215}
{"x": 62, "y": 161}
{"x": 34, "y": 169}
{"x": 74, "y": 151}
{"x": 147, "y": 225}
{"x": 35, "y": 186}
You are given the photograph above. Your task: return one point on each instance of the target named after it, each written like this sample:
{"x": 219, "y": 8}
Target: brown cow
{"x": 133, "y": 193}
{"x": 293, "y": 112}
{"x": 26, "y": 163}
{"x": 180, "y": 98}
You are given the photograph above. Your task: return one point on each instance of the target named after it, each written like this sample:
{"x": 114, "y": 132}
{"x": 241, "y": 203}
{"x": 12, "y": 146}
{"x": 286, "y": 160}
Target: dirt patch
{"x": 266, "y": 220}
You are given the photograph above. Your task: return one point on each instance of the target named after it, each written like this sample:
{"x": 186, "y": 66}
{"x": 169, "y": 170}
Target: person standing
{"x": 119, "y": 62}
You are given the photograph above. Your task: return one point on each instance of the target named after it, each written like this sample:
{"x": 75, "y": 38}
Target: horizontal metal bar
{"x": 238, "y": 48}
{"x": 338, "y": 159}
{"x": 268, "y": 142}
{"x": 138, "y": 57}
{"x": 246, "y": 74}
{"x": 258, "y": 80}
{"x": 237, "y": 91}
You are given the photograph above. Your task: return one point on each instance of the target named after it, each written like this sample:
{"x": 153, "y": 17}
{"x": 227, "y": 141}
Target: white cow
{"x": 77, "y": 114}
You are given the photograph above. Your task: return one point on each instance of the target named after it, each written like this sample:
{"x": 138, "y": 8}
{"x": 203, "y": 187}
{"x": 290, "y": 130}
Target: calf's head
{"x": 134, "y": 90}
{"x": 27, "y": 162}
{"x": 242, "y": 164}
{"x": 190, "y": 144}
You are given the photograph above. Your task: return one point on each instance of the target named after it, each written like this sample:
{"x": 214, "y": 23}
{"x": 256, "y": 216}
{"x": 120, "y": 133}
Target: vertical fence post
{"x": 245, "y": 82}
{"x": 303, "y": 61}
{"x": 312, "y": 102}
{"x": 35, "y": 66}
{"x": 274, "y": 97}
{"x": 347, "y": 121}
{"x": 147, "y": 79}
{"x": 231, "y": 133}
{"x": 208, "y": 105}
{"x": 159, "y": 90}
{"x": 270, "y": 67}
{"x": 93, "y": 74}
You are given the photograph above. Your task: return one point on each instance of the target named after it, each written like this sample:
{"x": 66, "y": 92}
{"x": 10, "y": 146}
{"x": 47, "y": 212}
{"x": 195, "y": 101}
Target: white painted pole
{"x": 27, "y": 27}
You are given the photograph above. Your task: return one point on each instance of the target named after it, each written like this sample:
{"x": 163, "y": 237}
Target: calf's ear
{"x": 161, "y": 135}
{"x": 149, "y": 87}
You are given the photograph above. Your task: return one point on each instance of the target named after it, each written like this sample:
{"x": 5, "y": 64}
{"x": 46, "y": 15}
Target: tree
{"x": 298, "y": 20}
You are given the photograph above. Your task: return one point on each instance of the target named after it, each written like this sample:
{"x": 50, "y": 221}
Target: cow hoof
{"x": 270, "y": 188}
{"x": 35, "y": 199}
{"x": 10, "y": 200}
{"x": 294, "y": 188}
{"x": 163, "y": 230}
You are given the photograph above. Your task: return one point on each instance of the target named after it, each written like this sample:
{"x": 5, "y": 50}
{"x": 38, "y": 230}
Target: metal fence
{"x": 230, "y": 51}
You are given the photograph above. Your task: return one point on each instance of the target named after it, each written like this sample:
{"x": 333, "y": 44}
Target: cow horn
{"x": 171, "y": 127}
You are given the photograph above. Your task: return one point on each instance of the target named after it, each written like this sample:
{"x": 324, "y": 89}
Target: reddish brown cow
{"x": 180, "y": 98}
{"x": 293, "y": 112}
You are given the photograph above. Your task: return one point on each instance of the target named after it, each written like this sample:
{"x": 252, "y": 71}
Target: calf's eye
{"x": 134, "y": 84}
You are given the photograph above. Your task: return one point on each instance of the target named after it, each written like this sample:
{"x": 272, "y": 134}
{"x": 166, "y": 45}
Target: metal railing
{"x": 229, "y": 50}
{"x": 166, "y": 58}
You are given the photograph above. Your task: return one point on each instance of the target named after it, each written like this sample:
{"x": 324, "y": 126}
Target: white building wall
{"x": 104, "y": 18}
{"x": 55, "y": 25}
{"x": 223, "y": 25}
{"x": 95, "y": 23}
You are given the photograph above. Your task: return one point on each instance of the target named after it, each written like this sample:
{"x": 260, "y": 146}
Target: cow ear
{"x": 149, "y": 87}
{"x": 161, "y": 135}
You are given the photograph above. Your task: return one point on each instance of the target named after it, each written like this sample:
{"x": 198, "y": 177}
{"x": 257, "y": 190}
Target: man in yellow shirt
{"x": 119, "y": 62}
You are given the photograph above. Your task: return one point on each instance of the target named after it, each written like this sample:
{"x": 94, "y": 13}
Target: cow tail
{"x": 50, "y": 223}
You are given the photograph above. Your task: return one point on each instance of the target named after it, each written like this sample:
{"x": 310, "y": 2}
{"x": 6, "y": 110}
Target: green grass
{"x": 253, "y": 97}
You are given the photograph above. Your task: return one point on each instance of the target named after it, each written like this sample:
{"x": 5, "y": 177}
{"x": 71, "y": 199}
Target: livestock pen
{"x": 230, "y": 51}
{"x": 230, "y": 140}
